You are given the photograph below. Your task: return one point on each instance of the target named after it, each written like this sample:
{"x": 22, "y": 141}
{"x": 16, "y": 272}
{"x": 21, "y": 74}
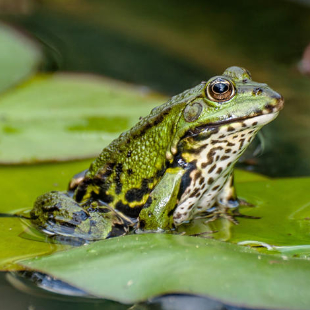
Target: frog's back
{"x": 128, "y": 169}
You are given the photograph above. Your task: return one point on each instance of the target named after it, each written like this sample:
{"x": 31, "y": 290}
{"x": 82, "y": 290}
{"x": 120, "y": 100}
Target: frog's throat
{"x": 262, "y": 119}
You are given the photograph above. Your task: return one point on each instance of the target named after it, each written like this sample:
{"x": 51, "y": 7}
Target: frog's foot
{"x": 56, "y": 213}
{"x": 220, "y": 214}
{"x": 236, "y": 213}
{"x": 216, "y": 214}
{"x": 228, "y": 211}
{"x": 244, "y": 203}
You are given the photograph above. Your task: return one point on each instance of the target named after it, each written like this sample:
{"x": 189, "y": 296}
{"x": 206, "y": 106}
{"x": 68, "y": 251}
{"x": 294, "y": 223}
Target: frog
{"x": 173, "y": 166}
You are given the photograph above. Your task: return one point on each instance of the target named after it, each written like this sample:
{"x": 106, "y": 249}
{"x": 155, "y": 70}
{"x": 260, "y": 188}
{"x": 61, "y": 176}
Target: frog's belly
{"x": 213, "y": 167}
{"x": 198, "y": 199}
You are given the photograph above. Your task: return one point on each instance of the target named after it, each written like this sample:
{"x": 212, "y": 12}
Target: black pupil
{"x": 220, "y": 88}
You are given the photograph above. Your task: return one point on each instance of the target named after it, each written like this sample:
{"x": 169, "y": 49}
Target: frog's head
{"x": 231, "y": 98}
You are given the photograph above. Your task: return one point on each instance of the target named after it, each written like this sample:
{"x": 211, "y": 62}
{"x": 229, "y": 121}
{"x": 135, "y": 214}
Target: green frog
{"x": 174, "y": 165}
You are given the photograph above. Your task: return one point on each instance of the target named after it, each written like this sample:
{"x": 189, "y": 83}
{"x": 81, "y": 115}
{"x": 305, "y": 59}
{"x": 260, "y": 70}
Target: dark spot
{"x": 235, "y": 137}
{"x": 178, "y": 215}
{"x": 136, "y": 194}
{"x": 210, "y": 181}
{"x": 172, "y": 210}
{"x": 250, "y": 139}
{"x": 48, "y": 208}
{"x": 241, "y": 143}
{"x": 82, "y": 189}
{"x": 129, "y": 153}
{"x": 217, "y": 157}
{"x": 195, "y": 192}
{"x": 244, "y": 125}
{"x": 224, "y": 157}
{"x": 222, "y": 136}
{"x": 230, "y": 144}
{"x": 117, "y": 179}
{"x": 197, "y": 175}
{"x": 244, "y": 81}
{"x": 127, "y": 210}
{"x": 269, "y": 108}
{"x": 210, "y": 156}
{"x": 219, "y": 170}
{"x": 228, "y": 164}
{"x": 215, "y": 187}
{"x": 242, "y": 135}
{"x": 79, "y": 217}
{"x": 129, "y": 171}
{"x": 255, "y": 123}
{"x": 212, "y": 168}
{"x": 141, "y": 224}
{"x": 160, "y": 172}
{"x": 257, "y": 91}
{"x": 148, "y": 202}
{"x": 227, "y": 151}
{"x": 108, "y": 169}
{"x": 230, "y": 128}
{"x": 201, "y": 181}
{"x": 215, "y": 141}
{"x": 186, "y": 179}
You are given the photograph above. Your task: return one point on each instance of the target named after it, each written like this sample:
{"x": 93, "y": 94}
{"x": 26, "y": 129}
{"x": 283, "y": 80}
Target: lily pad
{"x": 19, "y": 56}
{"x": 134, "y": 268}
{"x": 16, "y": 244}
{"x": 283, "y": 217}
{"x": 20, "y": 185}
{"x": 65, "y": 117}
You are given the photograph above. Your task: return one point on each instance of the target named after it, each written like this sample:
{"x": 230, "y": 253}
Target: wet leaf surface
{"x": 67, "y": 117}
{"x": 135, "y": 268}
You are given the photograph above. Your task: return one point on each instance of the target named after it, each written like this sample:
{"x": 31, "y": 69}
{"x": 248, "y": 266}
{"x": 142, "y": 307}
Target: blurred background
{"x": 171, "y": 45}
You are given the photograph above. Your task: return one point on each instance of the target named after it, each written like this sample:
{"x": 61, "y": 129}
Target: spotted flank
{"x": 210, "y": 181}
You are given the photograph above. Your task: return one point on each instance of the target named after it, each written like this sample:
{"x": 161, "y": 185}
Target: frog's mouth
{"x": 234, "y": 124}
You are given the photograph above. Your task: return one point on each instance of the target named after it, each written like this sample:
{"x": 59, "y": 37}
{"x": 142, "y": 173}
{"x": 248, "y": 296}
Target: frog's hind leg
{"x": 56, "y": 213}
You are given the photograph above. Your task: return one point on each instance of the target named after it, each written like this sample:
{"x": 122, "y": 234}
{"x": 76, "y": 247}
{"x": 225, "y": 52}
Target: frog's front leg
{"x": 158, "y": 213}
{"x": 227, "y": 202}
{"x": 56, "y": 213}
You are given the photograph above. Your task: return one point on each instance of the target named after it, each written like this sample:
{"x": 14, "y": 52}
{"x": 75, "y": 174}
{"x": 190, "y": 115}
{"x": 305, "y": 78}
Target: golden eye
{"x": 220, "y": 90}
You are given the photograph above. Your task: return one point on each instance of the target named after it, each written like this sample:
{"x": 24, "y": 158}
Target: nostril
{"x": 257, "y": 91}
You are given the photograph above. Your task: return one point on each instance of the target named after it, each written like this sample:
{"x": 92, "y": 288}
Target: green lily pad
{"x": 17, "y": 244}
{"x": 283, "y": 211}
{"x": 65, "y": 117}
{"x": 134, "y": 268}
{"x": 20, "y": 185}
{"x": 19, "y": 56}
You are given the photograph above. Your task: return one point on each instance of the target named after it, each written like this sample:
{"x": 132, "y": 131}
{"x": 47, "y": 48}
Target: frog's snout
{"x": 279, "y": 101}
{"x": 275, "y": 102}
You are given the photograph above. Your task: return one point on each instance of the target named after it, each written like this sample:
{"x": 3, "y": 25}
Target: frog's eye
{"x": 220, "y": 90}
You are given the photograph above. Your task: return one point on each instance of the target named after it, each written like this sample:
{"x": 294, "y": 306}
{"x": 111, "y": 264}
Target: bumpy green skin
{"x": 141, "y": 176}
